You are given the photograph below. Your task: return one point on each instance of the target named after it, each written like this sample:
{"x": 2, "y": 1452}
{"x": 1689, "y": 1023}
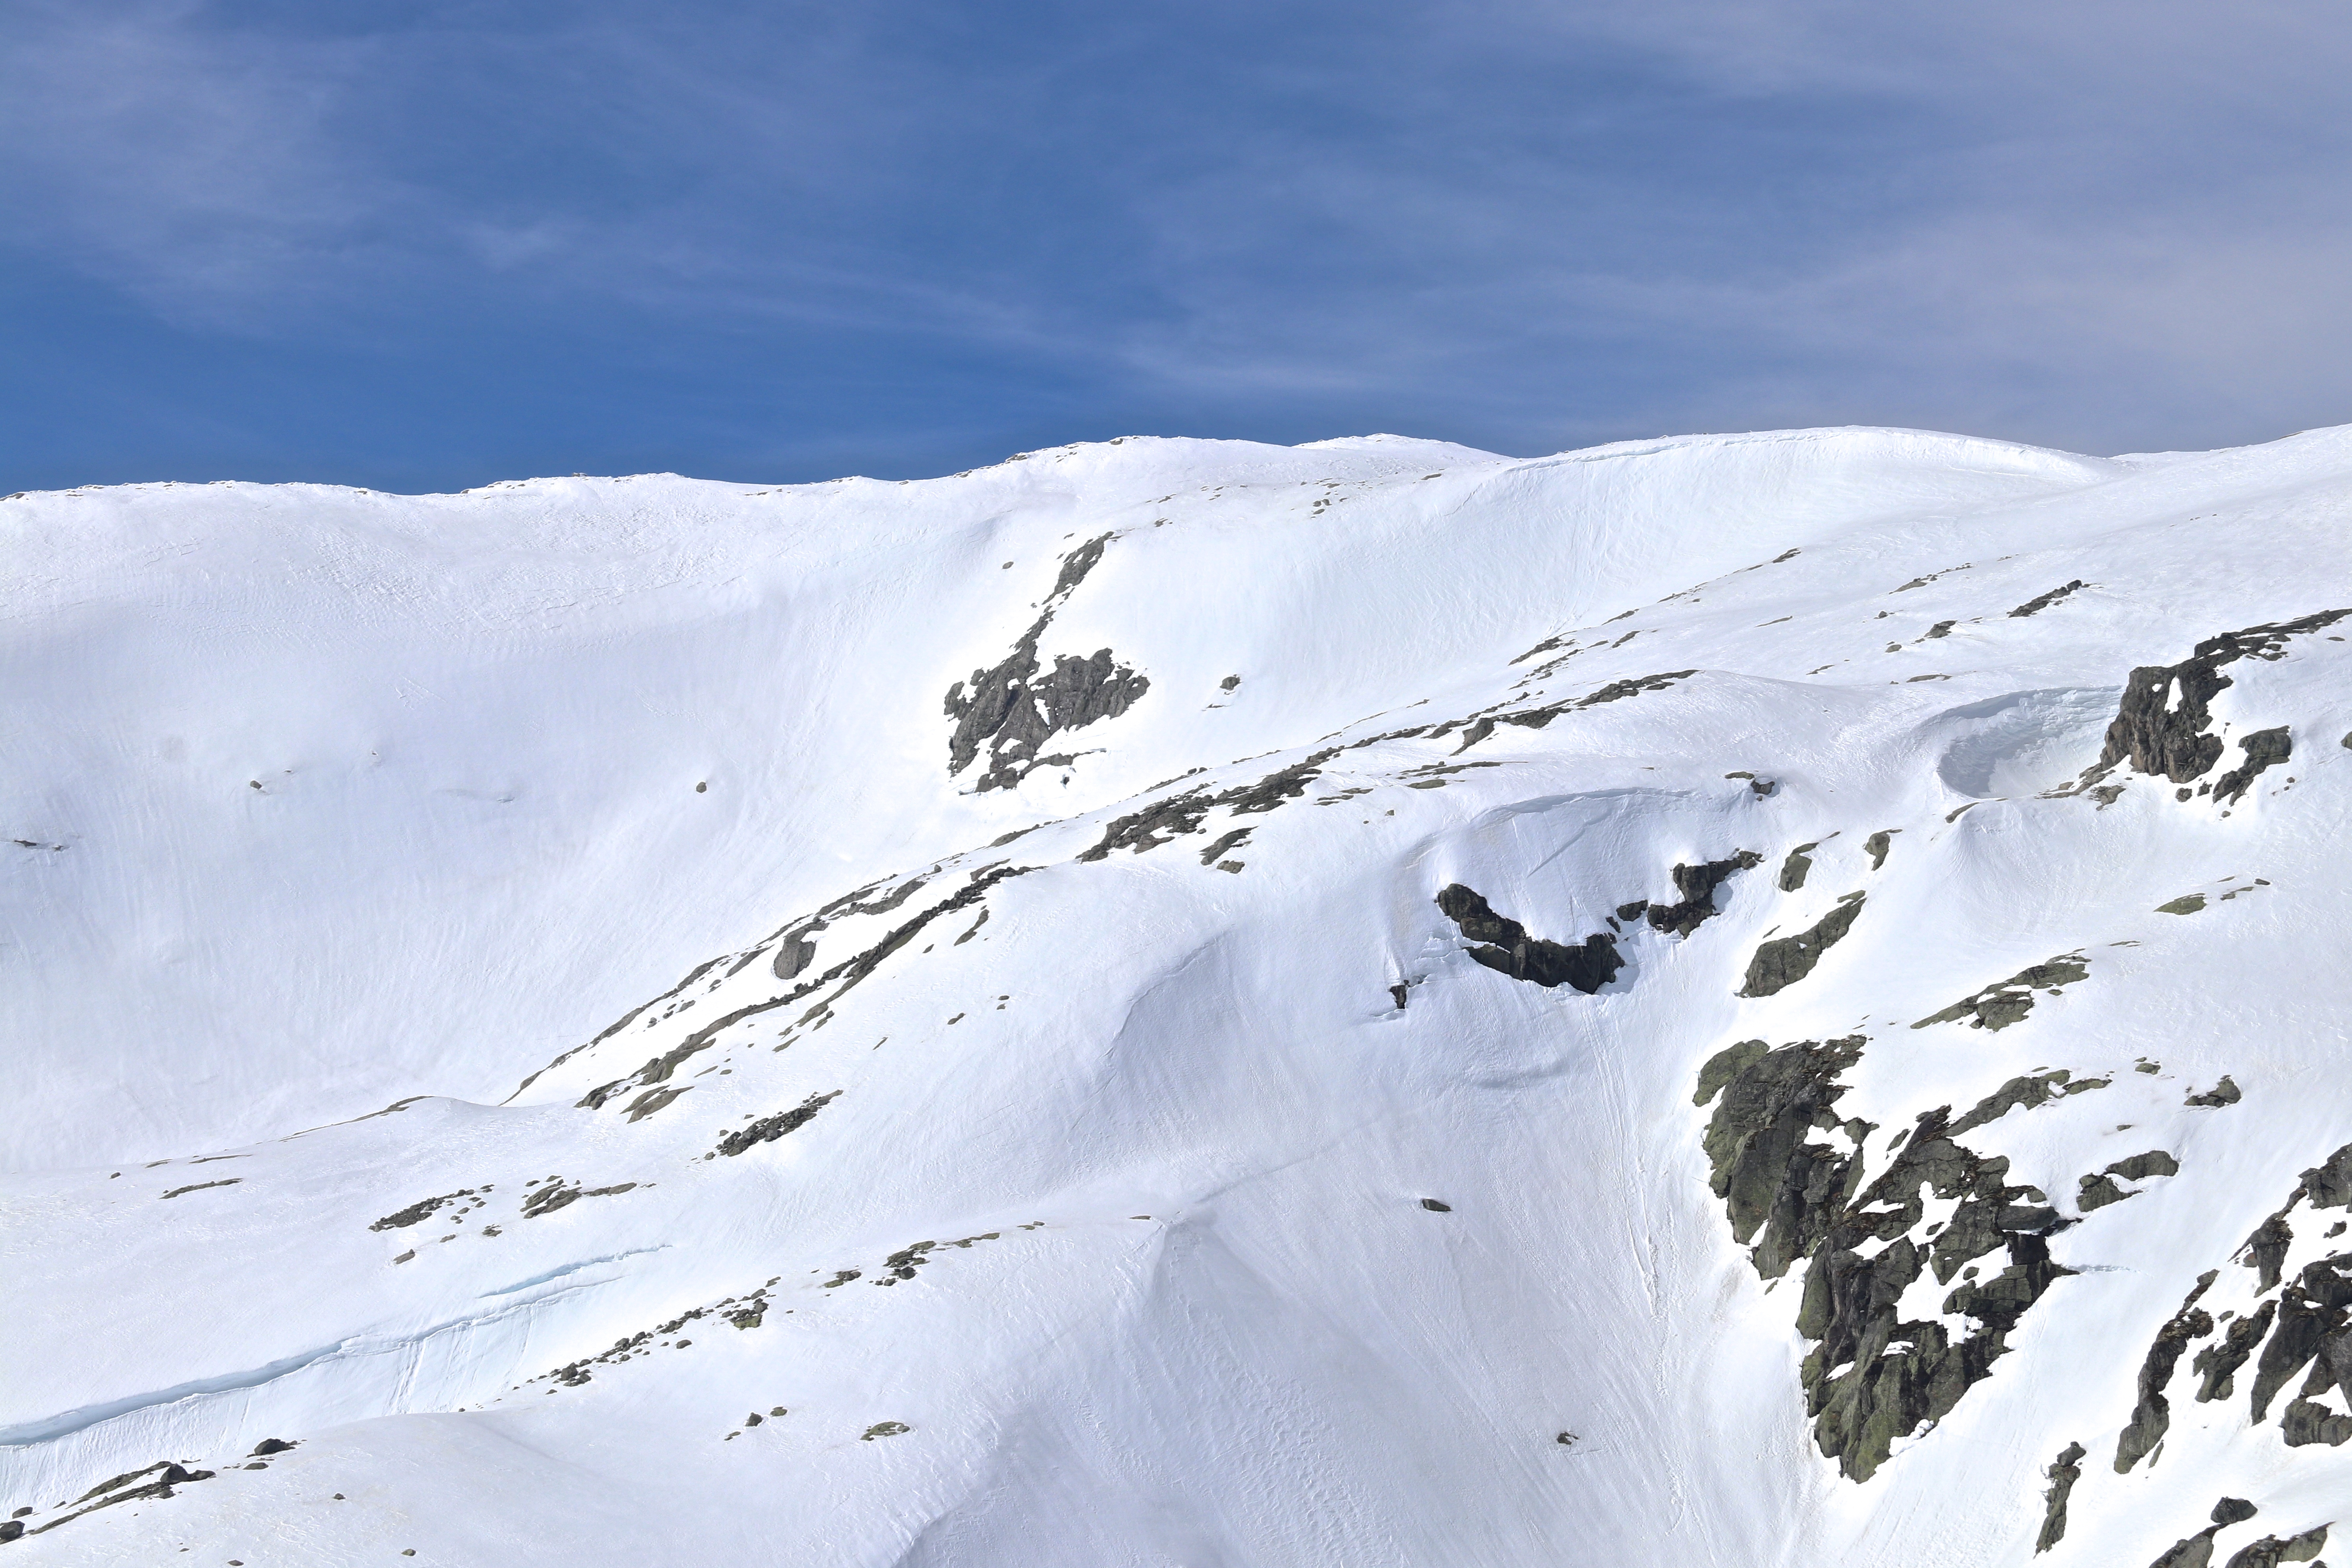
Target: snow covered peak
{"x": 1711, "y": 999}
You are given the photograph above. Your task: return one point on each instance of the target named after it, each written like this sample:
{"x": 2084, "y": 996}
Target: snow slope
{"x": 1139, "y": 1163}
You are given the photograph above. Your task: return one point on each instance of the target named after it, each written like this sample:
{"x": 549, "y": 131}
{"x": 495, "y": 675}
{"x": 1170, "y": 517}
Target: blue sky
{"x": 419, "y": 246}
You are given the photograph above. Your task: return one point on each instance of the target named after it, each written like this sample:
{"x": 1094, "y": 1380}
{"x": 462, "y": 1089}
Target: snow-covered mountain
{"x": 1757, "y": 1000}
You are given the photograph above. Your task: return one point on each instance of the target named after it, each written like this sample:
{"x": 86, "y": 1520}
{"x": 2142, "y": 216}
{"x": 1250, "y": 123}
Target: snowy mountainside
{"x": 1770, "y": 999}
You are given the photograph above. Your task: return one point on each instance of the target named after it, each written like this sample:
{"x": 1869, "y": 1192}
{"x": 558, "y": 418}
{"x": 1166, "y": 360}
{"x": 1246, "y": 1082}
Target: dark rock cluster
{"x": 1875, "y": 1376}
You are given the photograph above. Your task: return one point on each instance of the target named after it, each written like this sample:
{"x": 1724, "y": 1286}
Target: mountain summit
{"x": 1773, "y": 999}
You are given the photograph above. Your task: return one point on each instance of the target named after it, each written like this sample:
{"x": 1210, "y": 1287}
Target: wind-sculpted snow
{"x": 1758, "y": 1000}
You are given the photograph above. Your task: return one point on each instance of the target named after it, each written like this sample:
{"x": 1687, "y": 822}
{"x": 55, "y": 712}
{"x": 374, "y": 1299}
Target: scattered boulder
{"x": 2222, "y": 1093}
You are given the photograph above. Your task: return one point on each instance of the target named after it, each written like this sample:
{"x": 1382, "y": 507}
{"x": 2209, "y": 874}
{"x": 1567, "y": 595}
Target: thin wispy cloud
{"x": 434, "y": 242}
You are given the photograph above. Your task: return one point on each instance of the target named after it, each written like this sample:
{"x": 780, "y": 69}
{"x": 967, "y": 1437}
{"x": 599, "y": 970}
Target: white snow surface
{"x": 318, "y": 799}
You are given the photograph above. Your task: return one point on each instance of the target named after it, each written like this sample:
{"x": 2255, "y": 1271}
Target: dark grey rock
{"x": 1877, "y": 845}
{"x": 2031, "y": 1091}
{"x": 1696, "y": 884}
{"x": 1541, "y": 717}
{"x": 2264, "y": 748}
{"x": 2063, "y": 1475}
{"x": 400, "y": 1219}
{"x": 1164, "y": 821}
{"x": 1780, "y": 964}
{"x": 2265, "y": 1250}
{"x": 2329, "y": 1186}
{"x": 1793, "y": 870}
{"x": 1505, "y": 946}
{"x": 2140, "y": 1167}
{"x": 1757, "y": 1142}
{"x": 1872, "y": 1377}
{"x": 2314, "y": 1330}
{"x": 2271, "y": 1550}
{"x": 768, "y": 1129}
{"x": 2195, "y": 1552}
{"x": 1218, "y": 845}
{"x": 849, "y": 973}
{"x": 200, "y": 1186}
{"x": 793, "y": 955}
{"x": 1012, "y": 710}
{"x": 2217, "y": 1365}
{"x": 2043, "y": 601}
{"x": 2222, "y": 1093}
{"x": 2160, "y": 725}
{"x": 2306, "y": 1421}
{"x": 1999, "y": 1006}
{"x": 2097, "y": 1192}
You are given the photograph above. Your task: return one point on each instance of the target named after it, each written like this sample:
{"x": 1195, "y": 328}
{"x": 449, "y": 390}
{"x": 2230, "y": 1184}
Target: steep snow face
{"x": 1748, "y": 1000}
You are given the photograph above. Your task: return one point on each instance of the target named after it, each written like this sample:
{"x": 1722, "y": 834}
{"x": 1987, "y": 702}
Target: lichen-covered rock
{"x": 2271, "y": 1550}
{"x": 1781, "y": 963}
{"x": 768, "y": 1129}
{"x": 2264, "y": 748}
{"x": 1873, "y": 1377}
{"x": 2160, "y": 725}
{"x": 1999, "y": 1006}
{"x": 2063, "y": 1474}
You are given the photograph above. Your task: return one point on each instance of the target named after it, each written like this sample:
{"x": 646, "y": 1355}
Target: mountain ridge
{"x": 1195, "y": 1056}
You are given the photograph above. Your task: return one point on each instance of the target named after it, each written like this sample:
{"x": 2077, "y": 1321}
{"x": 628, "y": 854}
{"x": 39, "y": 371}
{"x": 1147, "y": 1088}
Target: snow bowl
{"x": 2021, "y": 742}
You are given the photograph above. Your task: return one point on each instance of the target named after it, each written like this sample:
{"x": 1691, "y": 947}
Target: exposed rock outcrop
{"x": 2063, "y": 1475}
{"x": 1781, "y": 963}
{"x": 1505, "y": 946}
{"x": 2152, "y": 1417}
{"x": 1011, "y": 710}
{"x": 1872, "y": 1376}
{"x": 1999, "y": 1006}
{"x": 2264, "y": 748}
{"x": 1696, "y": 884}
{"x": 2161, "y": 725}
